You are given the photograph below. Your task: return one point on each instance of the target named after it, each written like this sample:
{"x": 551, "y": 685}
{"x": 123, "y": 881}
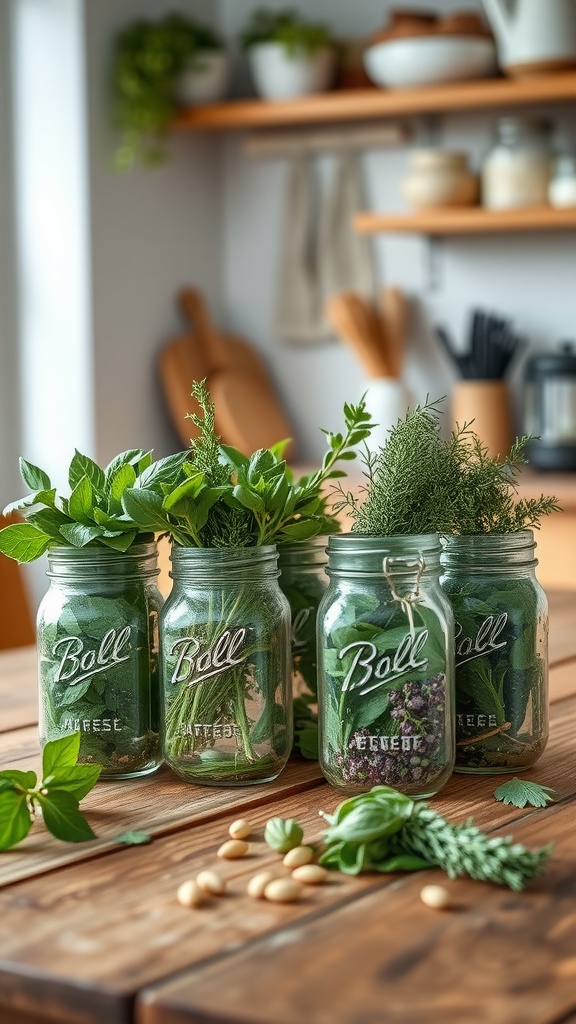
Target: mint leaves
{"x": 520, "y": 793}
{"x": 57, "y": 797}
{"x": 94, "y": 511}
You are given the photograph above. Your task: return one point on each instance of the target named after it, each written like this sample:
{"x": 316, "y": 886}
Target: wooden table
{"x": 93, "y": 932}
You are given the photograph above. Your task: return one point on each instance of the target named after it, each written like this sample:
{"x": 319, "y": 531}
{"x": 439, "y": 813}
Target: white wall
{"x": 529, "y": 278}
{"x": 152, "y": 231}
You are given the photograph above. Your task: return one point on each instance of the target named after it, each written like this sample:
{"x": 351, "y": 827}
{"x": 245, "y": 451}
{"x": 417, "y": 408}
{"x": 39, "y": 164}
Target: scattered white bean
{"x": 258, "y": 883}
{"x": 190, "y": 894}
{"x": 211, "y": 882}
{"x": 283, "y": 890}
{"x": 298, "y": 856}
{"x": 310, "y": 874}
{"x": 240, "y": 829}
{"x": 233, "y": 849}
{"x": 435, "y": 896}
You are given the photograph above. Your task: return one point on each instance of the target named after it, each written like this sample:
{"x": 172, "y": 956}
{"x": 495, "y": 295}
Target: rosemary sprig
{"x": 383, "y": 830}
{"x": 485, "y": 498}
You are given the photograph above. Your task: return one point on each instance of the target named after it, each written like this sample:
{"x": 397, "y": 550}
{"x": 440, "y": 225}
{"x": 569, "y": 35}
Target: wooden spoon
{"x": 394, "y": 312}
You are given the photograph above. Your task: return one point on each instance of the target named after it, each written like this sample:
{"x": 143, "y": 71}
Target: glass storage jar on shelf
{"x": 226, "y": 666}
{"x": 386, "y": 666}
{"x": 516, "y": 171}
{"x": 501, "y": 618}
{"x": 98, "y": 656}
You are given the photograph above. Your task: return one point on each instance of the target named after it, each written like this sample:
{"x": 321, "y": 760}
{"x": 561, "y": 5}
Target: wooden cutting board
{"x": 248, "y": 414}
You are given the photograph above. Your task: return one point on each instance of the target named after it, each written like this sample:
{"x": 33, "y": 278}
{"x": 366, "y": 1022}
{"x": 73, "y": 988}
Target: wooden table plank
{"x": 127, "y": 804}
{"x": 112, "y": 925}
{"x": 18, "y": 688}
{"x": 496, "y": 958}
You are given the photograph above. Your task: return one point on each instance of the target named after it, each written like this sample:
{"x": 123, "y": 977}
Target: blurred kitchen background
{"x": 92, "y": 258}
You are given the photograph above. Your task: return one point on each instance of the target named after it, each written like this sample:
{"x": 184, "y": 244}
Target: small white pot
{"x": 278, "y": 76}
{"x": 206, "y": 79}
{"x": 387, "y": 401}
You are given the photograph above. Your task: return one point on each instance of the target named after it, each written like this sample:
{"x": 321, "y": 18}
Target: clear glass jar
{"x": 516, "y": 171}
{"x": 303, "y": 580}
{"x": 501, "y": 617}
{"x": 98, "y": 656}
{"x": 562, "y": 187}
{"x": 386, "y": 666}
{"x": 226, "y": 666}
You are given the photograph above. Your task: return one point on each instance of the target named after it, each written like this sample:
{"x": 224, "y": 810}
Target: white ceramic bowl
{"x": 206, "y": 78}
{"x": 278, "y": 76}
{"x": 396, "y": 63}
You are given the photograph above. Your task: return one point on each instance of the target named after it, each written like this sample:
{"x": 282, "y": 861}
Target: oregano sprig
{"x": 57, "y": 797}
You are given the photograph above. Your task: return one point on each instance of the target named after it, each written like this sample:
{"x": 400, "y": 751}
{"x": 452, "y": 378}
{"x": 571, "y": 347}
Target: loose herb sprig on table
{"x": 93, "y": 514}
{"x": 57, "y": 797}
{"x": 383, "y": 830}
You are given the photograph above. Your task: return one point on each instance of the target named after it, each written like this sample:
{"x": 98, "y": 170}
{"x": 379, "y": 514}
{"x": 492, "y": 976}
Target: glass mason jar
{"x": 98, "y": 656}
{"x": 303, "y": 580}
{"x": 225, "y": 651}
{"x": 501, "y": 617}
{"x": 516, "y": 171}
{"x": 386, "y": 666}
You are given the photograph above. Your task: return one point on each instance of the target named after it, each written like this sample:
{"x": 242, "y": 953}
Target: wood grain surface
{"x": 93, "y": 932}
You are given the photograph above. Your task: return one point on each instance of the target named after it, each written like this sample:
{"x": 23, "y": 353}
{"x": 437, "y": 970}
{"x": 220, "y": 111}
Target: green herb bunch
{"x": 148, "y": 59}
{"x": 57, "y": 797}
{"x": 93, "y": 514}
{"x": 410, "y": 488}
{"x": 224, "y": 499}
{"x": 485, "y": 492}
{"x": 286, "y": 27}
{"x": 383, "y": 830}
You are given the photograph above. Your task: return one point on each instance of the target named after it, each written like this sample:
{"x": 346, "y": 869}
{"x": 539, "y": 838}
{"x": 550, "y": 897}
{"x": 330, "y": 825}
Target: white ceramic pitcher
{"x": 533, "y": 36}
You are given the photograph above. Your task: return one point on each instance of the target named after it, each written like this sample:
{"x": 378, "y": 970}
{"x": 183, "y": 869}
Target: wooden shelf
{"x": 471, "y": 220}
{"x": 366, "y": 104}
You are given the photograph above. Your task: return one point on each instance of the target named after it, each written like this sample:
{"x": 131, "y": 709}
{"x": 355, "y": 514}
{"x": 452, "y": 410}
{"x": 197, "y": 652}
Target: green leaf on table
{"x": 27, "y": 780}
{"x": 60, "y": 753}
{"x": 133, "y": 838}
{"x": 63, "y": 817}
{"x": 77, "y": 780}
{"x": 15, "y": 818}
{"x": 521, "y": 793}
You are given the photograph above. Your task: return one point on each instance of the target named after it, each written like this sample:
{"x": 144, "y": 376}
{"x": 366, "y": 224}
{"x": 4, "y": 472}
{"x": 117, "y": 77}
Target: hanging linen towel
{"x": 298, "y": 315}
{"x": 321, "y": 254}
{"x": 345, "y": 259}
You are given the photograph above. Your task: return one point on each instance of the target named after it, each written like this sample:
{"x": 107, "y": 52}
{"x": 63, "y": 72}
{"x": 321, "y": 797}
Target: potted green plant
{"x": 501, "y": 613}
{"x": 225, "y": 629}
{"x": 385, "y": 628}
{"x": 98, "y": 622}
{"x": 288, "y": 55}
{"x": 156, "y": 65}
